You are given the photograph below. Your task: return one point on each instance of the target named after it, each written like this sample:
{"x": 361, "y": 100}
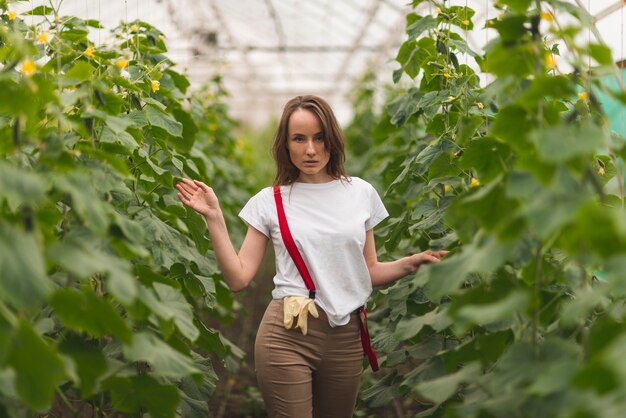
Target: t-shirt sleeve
{"x": 256, "y": 212}
{"x": 378, "y": 212}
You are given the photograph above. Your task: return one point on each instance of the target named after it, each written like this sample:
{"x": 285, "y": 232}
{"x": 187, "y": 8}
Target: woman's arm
{"x": 388, "y": 272}
{"x": 238, "y": 268}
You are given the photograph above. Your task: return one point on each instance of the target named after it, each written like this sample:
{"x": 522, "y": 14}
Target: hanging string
{"x": 466, "y": 44}
{"x": 589, "y": 44}
{"x": 623, "y": 65}
{"x": 486, "y": 33}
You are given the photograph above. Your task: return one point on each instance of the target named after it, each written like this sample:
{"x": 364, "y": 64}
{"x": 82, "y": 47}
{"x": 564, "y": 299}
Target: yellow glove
{"x": 301, "y": 307}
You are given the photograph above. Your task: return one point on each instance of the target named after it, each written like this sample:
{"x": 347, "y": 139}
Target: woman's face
{"x": 306, "y": 147}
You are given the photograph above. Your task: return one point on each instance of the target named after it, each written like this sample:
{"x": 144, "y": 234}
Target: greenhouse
{"x": 346, "y": 208}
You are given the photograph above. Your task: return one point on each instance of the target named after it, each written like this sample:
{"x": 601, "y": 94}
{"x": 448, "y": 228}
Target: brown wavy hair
{"x": 286, "y": 172}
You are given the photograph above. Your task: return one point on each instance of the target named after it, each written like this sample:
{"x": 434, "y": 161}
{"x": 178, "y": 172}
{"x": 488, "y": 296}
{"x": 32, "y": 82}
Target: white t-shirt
{"x": 328, "y": 222}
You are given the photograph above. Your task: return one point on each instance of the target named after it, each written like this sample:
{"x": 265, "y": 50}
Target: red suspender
{"x": 365, "y": 339}
{"x": 291, "y": 245}
{"x": 292, "y": 249}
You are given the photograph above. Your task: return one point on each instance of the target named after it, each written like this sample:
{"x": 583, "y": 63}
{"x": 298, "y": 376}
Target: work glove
{"x": 301, "y": 307}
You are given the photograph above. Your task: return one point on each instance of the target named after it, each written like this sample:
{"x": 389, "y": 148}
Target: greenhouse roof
{"x": 271, "y": 50}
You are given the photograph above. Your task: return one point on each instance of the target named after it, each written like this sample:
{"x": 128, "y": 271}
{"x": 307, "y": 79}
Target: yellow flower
{"x": 12, "y": 14}
{"x": 466, "y": 22}
{"x": 446, "y": 187}
{"x": 446, "y": 74}
{"x": 161, "y": 37}
{"x": 134, "y": 28}
{"x": 155, "y": 85}
{"x": 29, "y": 67}
{"x": 474, "y": 182}
{"x": 582, "y": 95}
{"x": 480, "y": 105}
{"x": 88, "y": 52}
{"x": 437, "y": 10}
{"x": 550, "y": 62}
{"x": 43, "y": 37}
{"x": 121, "y": 64}
{"x": 545, "y": 15}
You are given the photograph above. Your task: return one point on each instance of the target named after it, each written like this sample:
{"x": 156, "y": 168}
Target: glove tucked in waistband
{"x": 301, "y": 307}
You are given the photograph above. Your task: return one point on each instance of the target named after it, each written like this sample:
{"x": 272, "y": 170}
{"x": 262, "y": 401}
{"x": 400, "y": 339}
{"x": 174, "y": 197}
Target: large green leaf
{"x": 564, "y": 142}
{"x": 170, "y": 304}
{"x": 165, "y": 360}
{"x": 484, "y": 255}
{"x": 78, "y": 253}
{"x": 136, "y": 393}
{"x": 19, "y": 186}
{"x": 168, "y": 246}
{"x": 23, "y": 280}
{"x": 39, "y": 369}
{"x": 438, "y": 390}
{"x": 88, "y": 206}
{"x": 420, "y": 25}
{"x": 84, "y": 311}
{"x": 90, "y": 363}
{"x": 194, "y": 396}
{"x": 164, "y": 121}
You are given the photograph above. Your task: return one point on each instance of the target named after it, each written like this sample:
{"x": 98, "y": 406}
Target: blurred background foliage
{"x": 108, "y": 282}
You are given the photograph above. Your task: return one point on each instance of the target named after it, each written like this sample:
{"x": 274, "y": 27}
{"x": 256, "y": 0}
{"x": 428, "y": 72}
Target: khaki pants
{"x": 313, "y": 375}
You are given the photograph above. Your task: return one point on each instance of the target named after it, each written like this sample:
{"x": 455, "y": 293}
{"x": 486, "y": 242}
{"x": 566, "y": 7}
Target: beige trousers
{"x": 305, "y": 376}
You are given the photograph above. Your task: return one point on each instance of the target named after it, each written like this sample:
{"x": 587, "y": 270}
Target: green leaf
{"x": 89, "y": 207}
{"x": 122, "y": 138}
{"x": 210, "y": 341}
{"x": 39, "y": 11}
{"x": 407, "y": 56}
{"x": 81, "y": 71}
{"x": 487, "y": 156}
{"x": 601, "y": 53}
{"x": 172, "y": 305}
{"x": 404, "y": 106}
{"x": 467, "y": 126}
{"x": 136, "y": 393}
{"x": 512, "y": 124}
{"x": 164, "y": 359}
{"x": 484, "y": 255}
{"x": 164, "y": 121}
{"x": 420, "y": 25}
{"x": 90, "y": 362}
{"x": 409, "y": 327}
{"x": 516, "y": 60}
{"x": 490, "y": 313}
{"x": 19, "y": 187}
{"x": 39, "y": 369}
{"x": 83, "y": 311}
{"x": 193, "y": 396}
{"x": 23, "y": 281}
{"x": 168, "y": 246}
{"x": 438, "y": 390}
{"x": 564, "y": 142}
{"x": 519, "y": 6}
{"x": 79, "y": 254}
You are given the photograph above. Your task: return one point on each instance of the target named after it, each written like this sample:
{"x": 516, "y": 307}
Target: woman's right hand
{"x": 199, "y": 197}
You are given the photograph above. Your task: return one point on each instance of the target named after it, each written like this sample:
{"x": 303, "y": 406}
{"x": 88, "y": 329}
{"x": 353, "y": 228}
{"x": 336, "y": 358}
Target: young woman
{"x": 312, "y": 371}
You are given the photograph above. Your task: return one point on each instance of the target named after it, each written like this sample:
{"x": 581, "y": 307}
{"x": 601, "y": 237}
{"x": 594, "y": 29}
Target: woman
{"x": 314, "y": 371}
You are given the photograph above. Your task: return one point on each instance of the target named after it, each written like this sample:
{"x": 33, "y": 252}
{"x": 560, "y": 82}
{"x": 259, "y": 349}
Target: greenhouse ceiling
{"x": 271, "y": 50}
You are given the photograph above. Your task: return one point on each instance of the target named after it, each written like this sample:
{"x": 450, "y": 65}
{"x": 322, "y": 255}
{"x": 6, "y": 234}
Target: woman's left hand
{"x": 425, "y": 257}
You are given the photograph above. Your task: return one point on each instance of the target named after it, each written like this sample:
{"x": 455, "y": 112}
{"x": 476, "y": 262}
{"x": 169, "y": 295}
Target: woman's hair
{"x": 286, "y": 172}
